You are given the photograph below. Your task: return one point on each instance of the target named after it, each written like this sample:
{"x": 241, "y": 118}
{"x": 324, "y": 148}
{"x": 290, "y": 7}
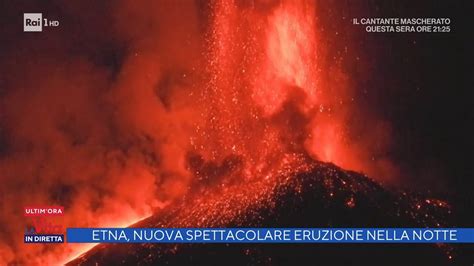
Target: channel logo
{"x": 35, "y": 22}
{"x": 32, "y": 22}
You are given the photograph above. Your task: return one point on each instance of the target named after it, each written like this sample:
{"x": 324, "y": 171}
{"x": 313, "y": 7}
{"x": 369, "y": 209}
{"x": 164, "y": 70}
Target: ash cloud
{"x": 94, "y": 115}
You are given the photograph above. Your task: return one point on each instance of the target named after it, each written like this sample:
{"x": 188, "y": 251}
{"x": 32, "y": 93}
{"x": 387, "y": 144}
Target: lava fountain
{"x": 261, "y": 109}
{"x": 268, "y": 102}
{"x": 262, "y": 90}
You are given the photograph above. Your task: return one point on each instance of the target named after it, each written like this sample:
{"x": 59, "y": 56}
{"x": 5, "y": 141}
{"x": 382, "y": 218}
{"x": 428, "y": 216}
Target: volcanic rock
{"x": 322, "y": 195}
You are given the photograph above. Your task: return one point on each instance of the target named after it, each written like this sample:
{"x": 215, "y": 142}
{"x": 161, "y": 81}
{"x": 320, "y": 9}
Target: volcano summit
{"x": 323, "y": 195}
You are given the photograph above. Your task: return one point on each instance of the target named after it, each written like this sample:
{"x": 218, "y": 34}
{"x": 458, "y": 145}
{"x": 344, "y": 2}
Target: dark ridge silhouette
{"x": 324, "y": 196}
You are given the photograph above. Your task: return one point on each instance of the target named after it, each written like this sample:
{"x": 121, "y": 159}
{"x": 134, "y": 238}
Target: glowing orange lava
{"x": 255, "y": 109}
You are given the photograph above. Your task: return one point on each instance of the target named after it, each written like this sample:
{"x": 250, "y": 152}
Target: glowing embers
{"x": 290, "y": 57}
{"x": 233, "y": 195}
{"x": 246, "y": 79}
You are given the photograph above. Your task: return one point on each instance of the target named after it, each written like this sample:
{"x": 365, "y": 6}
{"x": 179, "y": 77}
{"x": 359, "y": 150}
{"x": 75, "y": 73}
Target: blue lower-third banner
{"x": 270, "y": 235}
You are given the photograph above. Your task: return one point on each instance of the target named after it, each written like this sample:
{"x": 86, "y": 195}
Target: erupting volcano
{"x": 266, "y": 118}
{"x": 223, "y": 113}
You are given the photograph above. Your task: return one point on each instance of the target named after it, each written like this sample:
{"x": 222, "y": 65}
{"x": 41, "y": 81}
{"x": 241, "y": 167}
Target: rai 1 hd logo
{"x": 43, "y": 224}
{"x": 34, "y": 22}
